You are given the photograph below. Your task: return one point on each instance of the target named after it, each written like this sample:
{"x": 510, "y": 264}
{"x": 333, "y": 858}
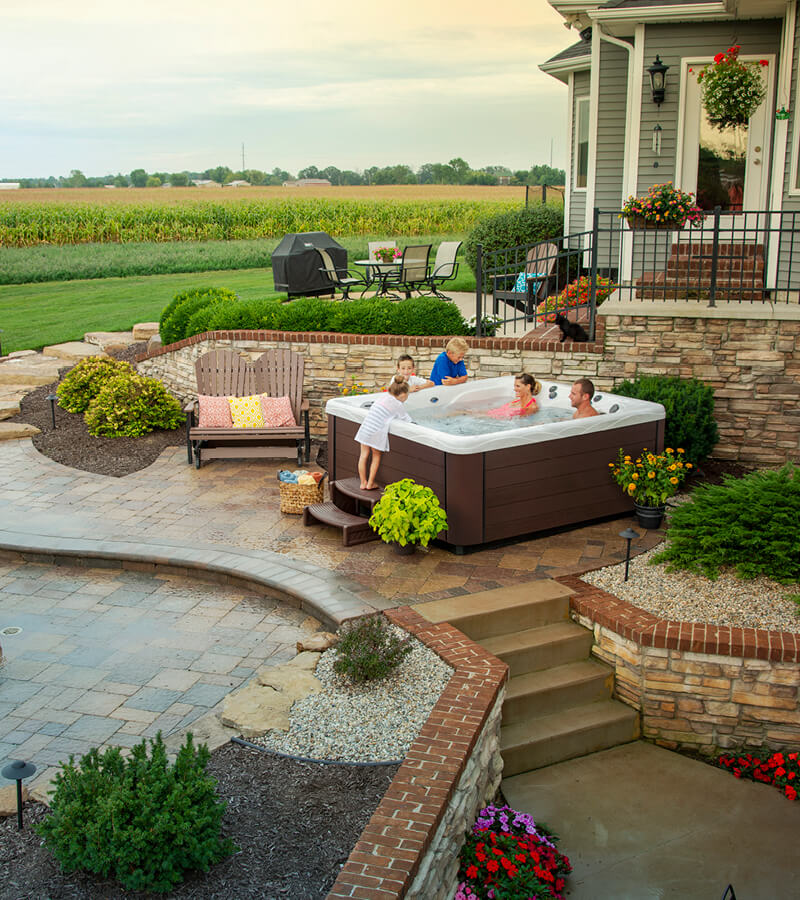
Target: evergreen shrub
{"x": 141, "y": 820}
{"x": 689, "y": 408}
{"x": 249, "y": 315}
{"x": 176, "y": 315}
{"x": 427, "y": 315}
{"x": 749, "y": 524}
{"x": 369, "y": 649}
{"x": 83, "y": 382}
{"x": 132, "y": 405}
{"x": 367, "y": 315}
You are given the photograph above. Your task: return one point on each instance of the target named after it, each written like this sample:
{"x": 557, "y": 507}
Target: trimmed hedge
{"x": 176, "y": 315}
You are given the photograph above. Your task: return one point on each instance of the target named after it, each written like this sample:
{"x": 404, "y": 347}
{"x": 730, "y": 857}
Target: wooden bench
{"x": 224, "y": 373}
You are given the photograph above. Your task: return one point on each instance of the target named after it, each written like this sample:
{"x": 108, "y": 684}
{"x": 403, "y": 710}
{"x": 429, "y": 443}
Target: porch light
{"x": 658, "y": 80}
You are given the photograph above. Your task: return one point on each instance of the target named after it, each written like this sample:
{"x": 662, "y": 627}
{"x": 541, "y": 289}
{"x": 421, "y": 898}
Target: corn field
{"x": 32, "y": 223}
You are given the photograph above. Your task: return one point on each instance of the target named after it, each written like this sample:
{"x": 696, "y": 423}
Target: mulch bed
{"x": 294, "y": 823}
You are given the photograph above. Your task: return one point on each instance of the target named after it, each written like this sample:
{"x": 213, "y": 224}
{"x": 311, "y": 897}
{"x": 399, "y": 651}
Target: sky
{"x": 106, "y": 87}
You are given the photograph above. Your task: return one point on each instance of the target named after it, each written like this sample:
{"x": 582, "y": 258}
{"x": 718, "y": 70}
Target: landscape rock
{"x": 143, "y": 331}
{"x": 154, "y": 343}
{"x": 255, "y": 709}
{"x": 8, "y": 408}
{"x": 308, "y": 660}
{"x": 109, "y": 339}
{"x": 10, "y": 431}
{"x": 19, "y": 354}
{"x": 8, "y": 800}
{"x": 73, "y": 350}
{"x": 289, "y": 680}
{"x": 317, "y": 642}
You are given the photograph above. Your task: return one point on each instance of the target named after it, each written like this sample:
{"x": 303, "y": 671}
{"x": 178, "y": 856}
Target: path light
{"x": 52, "y": 398}
{"x": 629, "y": 534}
{"x": 16, "y": 771}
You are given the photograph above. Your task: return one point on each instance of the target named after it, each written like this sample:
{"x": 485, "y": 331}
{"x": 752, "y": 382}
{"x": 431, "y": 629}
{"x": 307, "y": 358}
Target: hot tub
{"x": 507, "y": 483}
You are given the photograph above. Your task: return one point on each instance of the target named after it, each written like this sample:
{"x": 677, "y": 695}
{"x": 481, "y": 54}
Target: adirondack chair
{"x": 224, "y": 373}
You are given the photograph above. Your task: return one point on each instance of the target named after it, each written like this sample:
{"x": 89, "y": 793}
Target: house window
{"x": 581, "y": 142}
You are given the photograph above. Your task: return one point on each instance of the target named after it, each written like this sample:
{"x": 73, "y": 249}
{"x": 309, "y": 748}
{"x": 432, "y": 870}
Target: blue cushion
{"x": 519, "y": 286}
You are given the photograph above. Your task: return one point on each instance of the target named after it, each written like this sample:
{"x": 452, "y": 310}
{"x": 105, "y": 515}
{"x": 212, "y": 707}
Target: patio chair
{"x": 539, "y": 265}
{"x": 445, "y": 268}
{"x": 412, "y": 273}
{"x": 340, "y": 278}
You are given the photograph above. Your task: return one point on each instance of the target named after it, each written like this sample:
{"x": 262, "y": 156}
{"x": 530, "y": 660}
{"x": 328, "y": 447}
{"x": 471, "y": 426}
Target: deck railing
{"x": 742, "y": 257}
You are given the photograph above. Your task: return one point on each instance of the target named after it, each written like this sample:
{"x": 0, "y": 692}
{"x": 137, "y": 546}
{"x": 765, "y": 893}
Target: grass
{"x": 35, "y": 315}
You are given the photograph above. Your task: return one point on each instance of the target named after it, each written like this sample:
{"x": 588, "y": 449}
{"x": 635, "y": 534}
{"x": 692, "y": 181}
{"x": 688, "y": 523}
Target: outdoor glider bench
{"x": 248, "y": 409}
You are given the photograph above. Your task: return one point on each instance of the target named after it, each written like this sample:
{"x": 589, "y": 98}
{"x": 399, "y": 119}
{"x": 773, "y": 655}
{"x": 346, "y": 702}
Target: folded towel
{"x": 306, "y": 479}
{"x": 287, "y": 477}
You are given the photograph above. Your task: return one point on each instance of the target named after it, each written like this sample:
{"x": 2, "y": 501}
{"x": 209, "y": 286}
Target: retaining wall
{"x": 410, "y": 846}
{"x": 698, "y": 687}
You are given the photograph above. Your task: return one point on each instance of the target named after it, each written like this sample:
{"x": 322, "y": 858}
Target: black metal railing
{"x": 742, "y": 257}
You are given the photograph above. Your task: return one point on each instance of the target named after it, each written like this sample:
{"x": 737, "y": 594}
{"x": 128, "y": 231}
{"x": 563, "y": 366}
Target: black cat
{"x": 570, "y": 330}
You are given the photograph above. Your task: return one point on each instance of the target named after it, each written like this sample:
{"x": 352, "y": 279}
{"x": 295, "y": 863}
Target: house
{"x": 205, "y": 183}
{"x": 308, "y": 182}
{"x": 239, "y": 182}
{"x": 622, "y": 140}
{"x": 9, "y": 185}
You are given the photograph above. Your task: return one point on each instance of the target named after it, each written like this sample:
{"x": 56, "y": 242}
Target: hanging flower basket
{"x": 731, "y": 90}
{"x": 662, "y": 207}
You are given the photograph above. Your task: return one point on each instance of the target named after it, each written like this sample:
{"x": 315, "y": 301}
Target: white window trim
{"x": 578, "y": 102}
{"x": 783, "y": 99}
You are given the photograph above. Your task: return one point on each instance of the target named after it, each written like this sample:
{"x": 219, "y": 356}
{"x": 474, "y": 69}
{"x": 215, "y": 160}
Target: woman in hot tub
{"x": 526, "y": 387}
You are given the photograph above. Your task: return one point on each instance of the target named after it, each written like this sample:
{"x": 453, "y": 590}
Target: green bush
{"x": 139, "y": 820}
{"x": 427, "y": 315}
{"x": 176, "y": 315}
{"x": 247, "y": 315}
{"x": 131, "y": 405}
{"x": 369, "y": 649}
{"x": 369, "y": 315}
{"x": 527, "y": 225}
{"x": 83, "y": 382}
{"x": 306, "y": 314}
{"x": 749, "y": 524}
{"x": 689, "y": 408}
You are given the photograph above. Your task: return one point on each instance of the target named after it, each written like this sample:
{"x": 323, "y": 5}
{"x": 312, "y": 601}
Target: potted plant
{"x": 650, "y": 480}
{"x": 731, "y": 90}
{"x": 408, "y": 514}
{"x": 388, "y": 254}
{"x": 663, "y": 207}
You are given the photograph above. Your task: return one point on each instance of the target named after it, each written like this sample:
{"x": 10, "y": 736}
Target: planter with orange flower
{"x": 650, "y": 480}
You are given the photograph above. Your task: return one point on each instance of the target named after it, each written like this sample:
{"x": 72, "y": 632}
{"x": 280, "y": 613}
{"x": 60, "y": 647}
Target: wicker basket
{"x": 295, "y": 497}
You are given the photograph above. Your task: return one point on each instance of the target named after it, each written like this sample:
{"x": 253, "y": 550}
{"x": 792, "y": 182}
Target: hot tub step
{"x": 355, "y": 529}
{"x": 346, "y": 493}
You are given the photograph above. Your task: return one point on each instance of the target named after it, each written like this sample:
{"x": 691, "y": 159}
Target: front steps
{"x": 558, "y": 700}
{"x": 348, "y": 509}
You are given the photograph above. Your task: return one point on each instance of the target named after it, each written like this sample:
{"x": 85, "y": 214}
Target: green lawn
{"x": 34, "y": 315}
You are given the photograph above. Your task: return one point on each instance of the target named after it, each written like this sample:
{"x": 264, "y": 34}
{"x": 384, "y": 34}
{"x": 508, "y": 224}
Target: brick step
{"x": 566, "y": 734}
{"x": 725, "y": 249}
{"x": 693, "y": 293}
{"x": 542, "y": 693}
{"x": 533, "y": 649}
{"x": 355, "y": 529}
{"x": 727, "y": 266}
{"x": 489, "y": 614}
{"x": 684, "y": 279}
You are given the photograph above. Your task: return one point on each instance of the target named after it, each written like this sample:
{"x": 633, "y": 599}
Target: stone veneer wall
{"x": 410, "y": 846}
{"x": 699, "y": 687}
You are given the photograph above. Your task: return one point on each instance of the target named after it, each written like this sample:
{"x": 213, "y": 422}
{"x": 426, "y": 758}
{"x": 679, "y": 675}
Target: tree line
{"x": 457, "y": 171}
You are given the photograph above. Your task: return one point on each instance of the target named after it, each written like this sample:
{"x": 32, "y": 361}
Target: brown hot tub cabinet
{"x": 496, "y": 495}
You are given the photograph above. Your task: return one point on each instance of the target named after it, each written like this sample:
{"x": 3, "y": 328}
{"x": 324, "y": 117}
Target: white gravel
{"x": 369, "y": 722}
{"x": 685, "y": 597}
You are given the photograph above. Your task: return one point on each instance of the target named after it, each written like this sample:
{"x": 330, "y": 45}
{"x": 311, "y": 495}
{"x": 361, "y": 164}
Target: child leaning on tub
{"x": 373, "y": 435}
{"x": 449, "y": 367}
{"x": 405, "y": 369}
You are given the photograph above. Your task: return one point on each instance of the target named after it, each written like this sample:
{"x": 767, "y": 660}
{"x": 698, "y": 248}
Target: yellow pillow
{"x": 246, "y": 412}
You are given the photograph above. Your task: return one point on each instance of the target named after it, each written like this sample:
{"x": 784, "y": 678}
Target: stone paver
{"x": 73, "y": 351}
{"x": 107, "y": 684}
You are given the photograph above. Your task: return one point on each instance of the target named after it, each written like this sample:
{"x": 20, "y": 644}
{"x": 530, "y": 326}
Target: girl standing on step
{"x": 373, "y": 435}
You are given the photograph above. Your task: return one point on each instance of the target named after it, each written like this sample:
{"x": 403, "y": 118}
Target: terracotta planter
{"x": 639, "y": 223}
{"x": 649, "y": 516}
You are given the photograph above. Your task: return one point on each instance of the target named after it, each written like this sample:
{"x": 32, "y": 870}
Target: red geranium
{"x": 777, "y": 769}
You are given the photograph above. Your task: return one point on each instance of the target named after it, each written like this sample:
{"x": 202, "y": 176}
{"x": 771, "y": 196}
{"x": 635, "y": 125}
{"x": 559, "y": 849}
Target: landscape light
{"x": 629, "y": 534}
{"x": 16, "y": 771}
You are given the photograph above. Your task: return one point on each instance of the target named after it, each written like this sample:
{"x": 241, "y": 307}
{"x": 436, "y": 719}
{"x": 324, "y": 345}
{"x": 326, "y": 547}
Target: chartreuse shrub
{"x": 132, "y": 405}
{"x": 369, "y": 649}
{"x": 749, "y": 524}
{"x": 139, "y": 820}
{"x": 176, "y": 315}
{"x": 689, "y": 408}
{"x": 408, "y": 513}
{"x": 83, "y": 382}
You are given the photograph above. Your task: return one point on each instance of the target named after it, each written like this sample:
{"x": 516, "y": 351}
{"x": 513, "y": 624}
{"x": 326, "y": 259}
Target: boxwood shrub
{"x": 176, "y": 315}
{"x": 689, "y": 408}
{"x": 131, "y": 405}
{"x": 83, "y": 382}
{"x": 426, "y": 315}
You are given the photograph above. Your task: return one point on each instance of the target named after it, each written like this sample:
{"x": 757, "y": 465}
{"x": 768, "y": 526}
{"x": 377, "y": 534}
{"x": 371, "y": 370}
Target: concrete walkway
{"x": 641, "y": 822}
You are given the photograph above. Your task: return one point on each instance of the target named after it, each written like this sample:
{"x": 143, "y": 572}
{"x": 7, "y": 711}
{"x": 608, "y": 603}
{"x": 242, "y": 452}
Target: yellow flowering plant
{"x": 651, "y": 478}
{"x": 352, "y": 387}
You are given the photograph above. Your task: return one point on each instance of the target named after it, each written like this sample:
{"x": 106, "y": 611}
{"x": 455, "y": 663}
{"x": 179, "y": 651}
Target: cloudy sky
{"x": 104, "y": 86}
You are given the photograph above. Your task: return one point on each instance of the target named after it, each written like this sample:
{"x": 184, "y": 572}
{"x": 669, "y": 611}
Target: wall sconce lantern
{"x": 658, "y": 80}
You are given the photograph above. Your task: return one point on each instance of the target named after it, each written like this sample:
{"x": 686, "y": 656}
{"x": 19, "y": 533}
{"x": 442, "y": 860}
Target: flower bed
{"x": 782, "y": 770}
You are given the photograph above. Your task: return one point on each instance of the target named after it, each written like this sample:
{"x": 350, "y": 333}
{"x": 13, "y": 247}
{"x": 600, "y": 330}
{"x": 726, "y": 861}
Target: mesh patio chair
{"x": 342, "y": 279}
{"x": 539, "y": 265}
{"x": 445, "y": 268}
{"x": 412, "y": 274}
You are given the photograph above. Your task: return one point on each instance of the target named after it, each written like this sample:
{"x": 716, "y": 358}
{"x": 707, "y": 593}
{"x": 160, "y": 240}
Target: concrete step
{"x": 74, "y": 351}
{"x": 533, "y": 649}
{"x": 503, "y": 610}
{"x": 551, "y": 690}
{"x": 564, "y": 735}
{"x": 30, "y": 371}
{"x": 11, "y": 431}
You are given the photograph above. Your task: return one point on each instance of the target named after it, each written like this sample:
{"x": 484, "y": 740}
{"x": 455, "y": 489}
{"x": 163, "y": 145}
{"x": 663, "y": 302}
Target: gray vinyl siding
{"x": 792, "y": 203}
{"x": 789, "y": 249}
{"x": 611, "y": 126}
{"x": 577, "y": 200}
{"x": 673, "y": 43}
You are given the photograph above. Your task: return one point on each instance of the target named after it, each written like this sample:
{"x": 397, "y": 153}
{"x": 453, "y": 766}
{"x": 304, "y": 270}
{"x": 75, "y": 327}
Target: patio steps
{"x": 558, "y": 700}
{"x": 348, "y": 509}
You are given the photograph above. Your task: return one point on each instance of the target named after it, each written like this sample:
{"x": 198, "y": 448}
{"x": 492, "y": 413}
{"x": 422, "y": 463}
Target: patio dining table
{"x": 377, "y": 273}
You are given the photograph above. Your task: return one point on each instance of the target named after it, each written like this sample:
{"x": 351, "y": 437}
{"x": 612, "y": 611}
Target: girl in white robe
{"x": 373, "y": 435}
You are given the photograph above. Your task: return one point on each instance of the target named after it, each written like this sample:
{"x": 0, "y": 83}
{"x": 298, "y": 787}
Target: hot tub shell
{"x": 508, "y": 484}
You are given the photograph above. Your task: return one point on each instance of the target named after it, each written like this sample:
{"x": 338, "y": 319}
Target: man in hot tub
{"x": 449, "y": 367}
{"x": 580, "y": 396}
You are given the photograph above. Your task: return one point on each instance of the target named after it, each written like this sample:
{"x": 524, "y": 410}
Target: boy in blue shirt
{"x": 449, "y": 367}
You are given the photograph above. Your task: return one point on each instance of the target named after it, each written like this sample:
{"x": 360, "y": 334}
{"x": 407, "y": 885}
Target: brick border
{"x": 387, "y": 855}
{"x": 380, "y": 340}
{"x": 648, "y": 630}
